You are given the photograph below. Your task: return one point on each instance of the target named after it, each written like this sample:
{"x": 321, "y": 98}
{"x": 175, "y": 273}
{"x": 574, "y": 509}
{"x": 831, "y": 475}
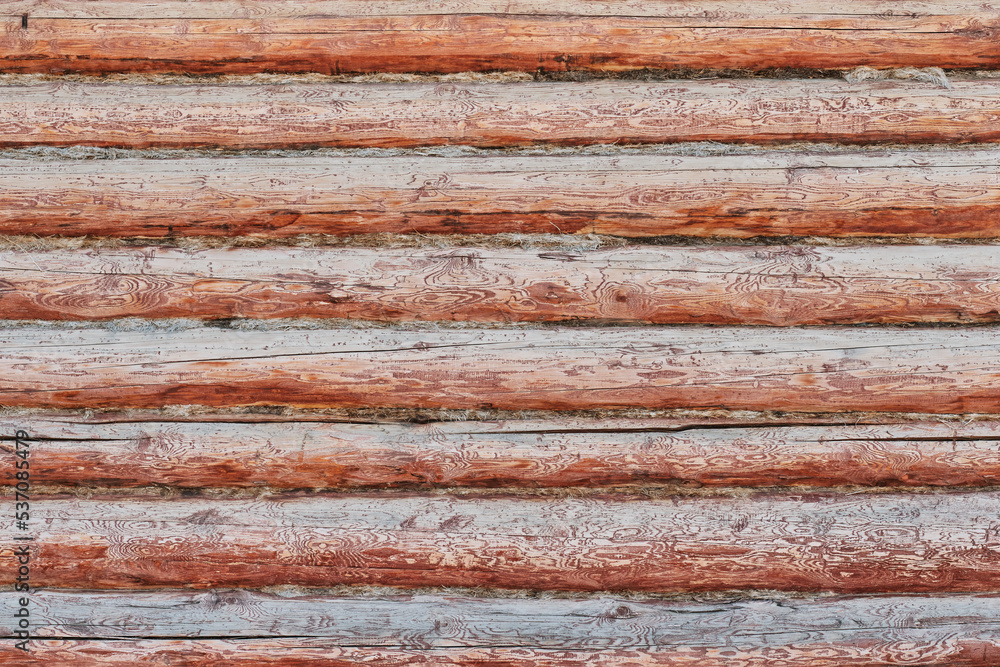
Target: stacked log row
{"x": 321, "y": 369}
{"x": 331, "y": 37}
{"x": 872, "y": 193}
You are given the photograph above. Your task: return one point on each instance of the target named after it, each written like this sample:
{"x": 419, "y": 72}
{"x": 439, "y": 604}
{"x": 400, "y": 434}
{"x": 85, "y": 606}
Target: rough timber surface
{"x": 536, "y": 453}
{"x": 413, "y": 35}
{"x": 923, "y": 630}
{"x": 942, "y": 193}
{"x": 262, "y": 535}
{"x": 954, "y": 650}
{"x": 819, "y": 369}
{"x": 773, "y": 285}
{"x": 501, "y": 115}
{"x": 847, "y": 543}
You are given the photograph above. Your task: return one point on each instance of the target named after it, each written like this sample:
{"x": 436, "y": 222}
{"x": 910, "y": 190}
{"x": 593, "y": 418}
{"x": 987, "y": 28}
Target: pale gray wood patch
{"x": 435, "y": 621}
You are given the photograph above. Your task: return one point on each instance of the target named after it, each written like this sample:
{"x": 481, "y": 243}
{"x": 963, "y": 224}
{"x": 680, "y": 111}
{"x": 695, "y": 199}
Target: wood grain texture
{"x": 451, "y": 621}
{"x": 889, "y": 630}
{"x": 387, "y": 115}
{"x": 944, "y": 193}
{"x": 774, "y": 285}
{"x": 321, "y": 511}
{"x": 482, "y": 42}
{"x": 541, "y": 453}
{"x": 930, "y": 370}
{"x": 837, "y": 14}
{"x": 857, "y": 543}
{"x": 335, "y": 37}
{"x": 956, "y": 650}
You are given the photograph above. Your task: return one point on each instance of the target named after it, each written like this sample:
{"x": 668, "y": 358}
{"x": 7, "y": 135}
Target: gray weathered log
{"x": 847, "y": 543}
{"x": 400, "y": 115}
{"x": 941, "y": 193}
{"x": 129, "y": 451}
{"x": 783, "y": 285}
{"x": 810, "y": 369}
{"x": 452, "y": 621}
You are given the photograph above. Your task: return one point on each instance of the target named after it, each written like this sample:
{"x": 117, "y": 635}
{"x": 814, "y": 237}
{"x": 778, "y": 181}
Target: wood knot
{"x": 623, "y": 611}
{"x": 218, "y": 599}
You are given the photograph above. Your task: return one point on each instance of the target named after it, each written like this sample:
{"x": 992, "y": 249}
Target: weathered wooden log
{"x": 954, "y": 650}
{"x": 930, "y": 370}
{"x": 874, "y": 542}
{"x": 545, "y": 453}
{"x": 388, "y": 115}
{"x": 914, "y": 193}
{"x": 360, "y": 36}
{"x": 947, "y": 12}
{"x": 776, "y": 285}
{"x": 920, "y": 630}
{"x": 958, "y": 652}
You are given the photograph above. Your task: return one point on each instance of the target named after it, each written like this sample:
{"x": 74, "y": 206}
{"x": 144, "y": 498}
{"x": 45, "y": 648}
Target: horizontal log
{"x": 858, "y": 543}
{"x": 547, "y": 453}
{"x": 745, "y": 285}
{"x": 733, "y": 11}
{"x": 929, "y": 370}
{"x": 453, "y": 621}
{"x": 956, "y": 650}
{"x": 959, "y": 630}
{"x": 336, "y": 37}
{"x": 944, "y": 193}
{"x": 387, "y": 115}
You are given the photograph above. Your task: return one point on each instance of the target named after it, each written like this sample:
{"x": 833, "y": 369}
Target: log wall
{"x": 478, "y": 333}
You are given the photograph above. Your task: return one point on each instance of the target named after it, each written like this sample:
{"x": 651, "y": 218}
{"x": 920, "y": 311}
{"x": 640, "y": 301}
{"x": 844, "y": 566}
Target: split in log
{"x": 944, "y": 193}
{"x": 549, "y": 453}
{"x": 483, "y": 35}
{"x": 770, "y": 285}
{"x": 103, "y": 628}
{"x": 835, "y": 369}
{"x": 858, "y": 543}
{"x": 399, "y": 115}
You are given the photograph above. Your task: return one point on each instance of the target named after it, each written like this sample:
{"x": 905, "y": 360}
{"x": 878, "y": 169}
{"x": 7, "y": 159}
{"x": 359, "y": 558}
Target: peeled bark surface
{"x": 860, "y": 543}
{"x": 102, "y": 628}
{"x": 943, "y": 193}
{"x": 450, "y": 621}
{"x": 875, "y": 12}
{"x": 960, "y": 651}
{"x": 538, "y": 453}
{"x": 774, "y": 285}
{"x": 813, "y": 370}
{"x": 161, "y": 527}
{"x": 234, "y": 458}
{"x": 333, "y": 37}
{"x": 497, "y": 115}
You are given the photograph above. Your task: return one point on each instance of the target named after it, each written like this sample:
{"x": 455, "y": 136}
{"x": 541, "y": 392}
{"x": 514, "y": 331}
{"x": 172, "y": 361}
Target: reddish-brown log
{"x": 393, "y": 115}
{"x": 915, "y": 370}
{"x": 860, "y": 543}
{"x": 743, "y": 285}
{"x": 865, "y": 193}
{"x": 955, "y": 651}
{"x": 407, "y": 36}
{"x": 547, "y": 453}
